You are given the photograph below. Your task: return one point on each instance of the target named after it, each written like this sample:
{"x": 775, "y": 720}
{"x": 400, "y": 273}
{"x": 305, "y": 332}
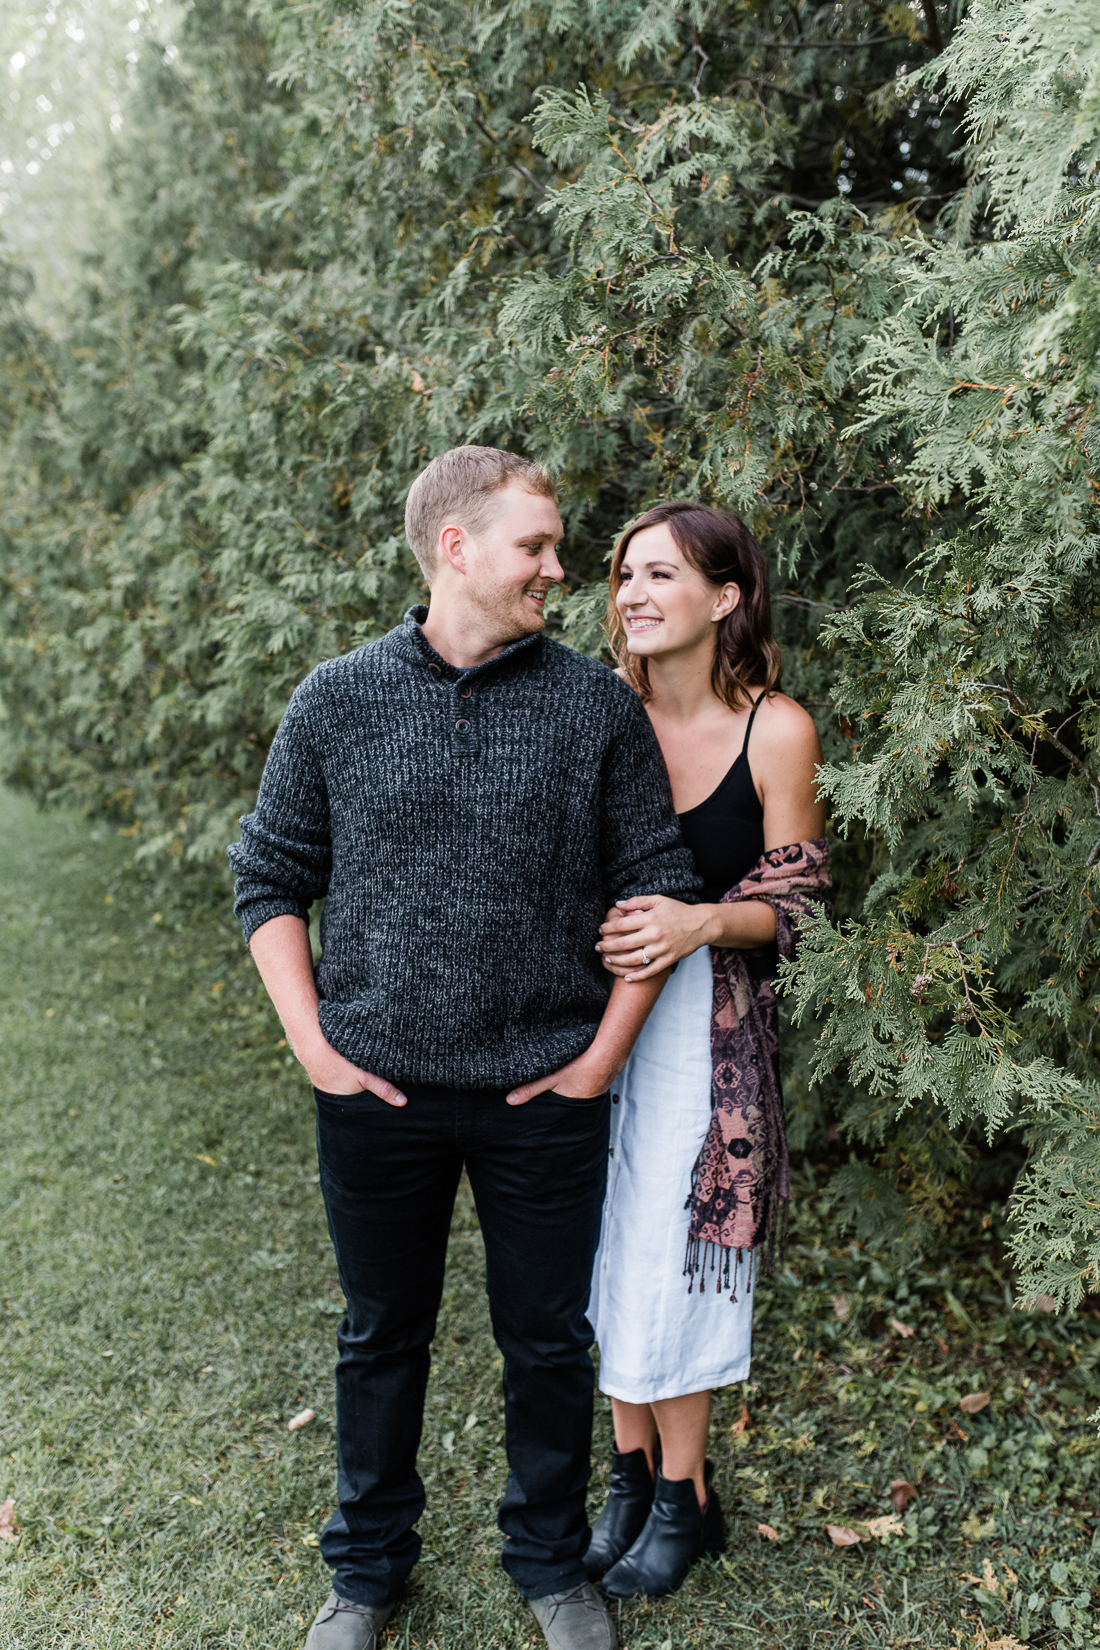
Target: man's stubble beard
{"x": 510, "y": 616}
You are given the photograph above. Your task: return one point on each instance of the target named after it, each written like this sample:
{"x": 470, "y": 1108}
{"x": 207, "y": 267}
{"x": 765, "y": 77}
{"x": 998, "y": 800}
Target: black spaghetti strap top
{"x": 726, "y": 832}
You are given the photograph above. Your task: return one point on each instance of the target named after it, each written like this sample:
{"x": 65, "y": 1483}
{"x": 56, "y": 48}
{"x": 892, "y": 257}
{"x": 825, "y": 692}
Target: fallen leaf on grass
{"x": 201, "y": 1157}
{"x": 988, "y": 1582}
{"x": 302, "y": 1419}
{"x": 902, "y": 1329}
{"x": 840, "y": 1306}
{"x": 843, "y": 1535}
{"x": 982, "y": 1641}
{"x": 311, "y": 1540}
{"x": 888, "y": 1524}
{"x": 9, "y": 1529}
{"x": 975, "y": 1529}
{"x": 741, "y": 1423}
{"x": 974, "y": 1401}
{"x": 1040, "y": 1303}
{"x": 901, "y": 1493}
{"x": 767, "y": 1532}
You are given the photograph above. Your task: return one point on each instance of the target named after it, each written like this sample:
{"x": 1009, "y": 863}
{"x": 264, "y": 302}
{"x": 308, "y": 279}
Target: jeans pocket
{"x": 575, "y": 1099}
{"x": 344, "y": 1099}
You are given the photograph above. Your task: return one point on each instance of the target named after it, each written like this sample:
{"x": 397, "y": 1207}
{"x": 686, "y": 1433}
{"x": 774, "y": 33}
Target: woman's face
{"x": 665, "y": 604}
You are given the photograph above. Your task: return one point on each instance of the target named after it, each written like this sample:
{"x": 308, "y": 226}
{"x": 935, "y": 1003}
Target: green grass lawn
{"x": 169, "y": 1301}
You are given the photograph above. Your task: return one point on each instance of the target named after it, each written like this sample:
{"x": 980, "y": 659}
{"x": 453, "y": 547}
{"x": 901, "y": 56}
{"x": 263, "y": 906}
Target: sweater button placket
{"x": 463, "y": 731}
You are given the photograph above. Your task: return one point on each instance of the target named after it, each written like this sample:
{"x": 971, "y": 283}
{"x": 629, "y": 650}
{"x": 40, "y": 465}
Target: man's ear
{"x": 452, "y": 547}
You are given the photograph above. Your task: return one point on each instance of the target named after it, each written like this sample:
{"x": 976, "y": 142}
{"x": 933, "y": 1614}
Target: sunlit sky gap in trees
{"x": 64, "y": 71}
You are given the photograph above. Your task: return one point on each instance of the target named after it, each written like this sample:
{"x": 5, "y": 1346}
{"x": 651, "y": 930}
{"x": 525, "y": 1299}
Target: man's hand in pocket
{"x": 332, "y": 1074}
{"x": 585, "y": 1078}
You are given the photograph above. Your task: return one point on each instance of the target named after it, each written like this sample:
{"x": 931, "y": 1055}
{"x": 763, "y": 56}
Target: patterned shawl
{"x": 740, "y": 1185}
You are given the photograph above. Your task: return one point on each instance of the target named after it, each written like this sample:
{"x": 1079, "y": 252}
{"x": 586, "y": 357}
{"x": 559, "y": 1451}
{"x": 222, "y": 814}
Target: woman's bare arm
{"x": 785, "y": 754}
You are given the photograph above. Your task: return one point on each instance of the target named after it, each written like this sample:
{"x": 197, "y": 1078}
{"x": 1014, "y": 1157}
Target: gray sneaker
{"x": 341, "y": 1625}
{"x": 575, "y": 1620}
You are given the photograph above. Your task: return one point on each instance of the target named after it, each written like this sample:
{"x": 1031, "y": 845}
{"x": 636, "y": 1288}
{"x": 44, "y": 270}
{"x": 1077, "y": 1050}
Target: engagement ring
{"x": 645, "y": 958}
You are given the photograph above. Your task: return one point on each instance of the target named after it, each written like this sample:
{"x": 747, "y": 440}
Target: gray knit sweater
{"x": 468, "y": 829}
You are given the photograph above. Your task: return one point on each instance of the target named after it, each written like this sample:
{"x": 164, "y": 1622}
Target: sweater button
{"x": 614, "y": 1099}
{"x": 467, "y": 693}
{"x": 462, "y": 726}
{"x": 435, "y": 670}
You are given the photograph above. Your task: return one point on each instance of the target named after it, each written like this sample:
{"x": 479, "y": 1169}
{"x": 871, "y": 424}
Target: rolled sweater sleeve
{"x": 284, "y": 858}
{"x": 642, "y": 849}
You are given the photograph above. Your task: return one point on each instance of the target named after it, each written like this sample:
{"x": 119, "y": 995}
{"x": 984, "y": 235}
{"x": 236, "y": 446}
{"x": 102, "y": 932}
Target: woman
{"x": 699, "y": 1109}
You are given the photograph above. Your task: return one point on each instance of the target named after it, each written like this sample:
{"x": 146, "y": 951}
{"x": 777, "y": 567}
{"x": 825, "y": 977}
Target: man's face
{"x": 512, "y": 563}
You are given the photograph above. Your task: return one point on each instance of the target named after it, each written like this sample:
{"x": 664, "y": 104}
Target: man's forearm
{"x": 626, "y": 1013}
{"x": 281, "y": 951}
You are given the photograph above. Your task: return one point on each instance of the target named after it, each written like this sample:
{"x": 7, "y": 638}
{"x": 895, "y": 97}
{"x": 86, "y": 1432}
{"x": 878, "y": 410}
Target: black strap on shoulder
{"x": 752, "y": 719}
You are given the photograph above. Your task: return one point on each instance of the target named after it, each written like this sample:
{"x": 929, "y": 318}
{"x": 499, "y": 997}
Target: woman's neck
{"x": 680, "y": 685}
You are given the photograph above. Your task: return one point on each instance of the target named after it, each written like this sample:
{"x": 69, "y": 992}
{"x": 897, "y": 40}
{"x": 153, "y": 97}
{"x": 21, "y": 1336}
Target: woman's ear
{"x": 729, "y": 597}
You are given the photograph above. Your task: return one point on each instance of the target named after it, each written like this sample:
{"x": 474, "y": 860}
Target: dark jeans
{"x": 389, "y": 1177}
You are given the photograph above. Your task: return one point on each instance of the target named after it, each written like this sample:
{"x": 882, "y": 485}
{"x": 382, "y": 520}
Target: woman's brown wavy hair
{"x": 723, "y": 550}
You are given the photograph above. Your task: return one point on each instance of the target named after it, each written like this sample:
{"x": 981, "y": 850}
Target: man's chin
{"x": 513, "y": 622}
{"x": 531, "y": 616}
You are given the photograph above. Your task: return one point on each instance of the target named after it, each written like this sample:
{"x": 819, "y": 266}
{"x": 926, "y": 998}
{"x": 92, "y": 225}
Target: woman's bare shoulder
{"x": 788, "y": 726}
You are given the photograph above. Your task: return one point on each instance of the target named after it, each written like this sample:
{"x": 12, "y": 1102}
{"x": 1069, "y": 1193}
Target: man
{"x": 469, "y": 798}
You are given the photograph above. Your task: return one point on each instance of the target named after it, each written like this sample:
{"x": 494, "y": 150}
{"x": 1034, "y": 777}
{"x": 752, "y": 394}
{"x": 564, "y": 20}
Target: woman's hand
{"x": 644, "y": 936}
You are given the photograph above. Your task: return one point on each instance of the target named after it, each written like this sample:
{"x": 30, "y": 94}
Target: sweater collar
{"x": 412, "y": 644}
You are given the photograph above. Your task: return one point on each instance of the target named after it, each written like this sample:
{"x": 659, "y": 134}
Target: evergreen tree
{"x": 650, "y": 244}
{"x": 110, "y": 603}
{"x": 967, "y": 990}
{"x": 431, "y": 194}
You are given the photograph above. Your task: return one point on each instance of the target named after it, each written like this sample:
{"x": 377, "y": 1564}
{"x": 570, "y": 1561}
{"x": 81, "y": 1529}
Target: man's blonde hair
{"x": 458, "y": 487}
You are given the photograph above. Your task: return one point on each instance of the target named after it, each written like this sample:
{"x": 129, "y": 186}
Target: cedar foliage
{"x": 650, "y": 243}
{"x": 217, "y": 502}
{"x": 968, "y": 989}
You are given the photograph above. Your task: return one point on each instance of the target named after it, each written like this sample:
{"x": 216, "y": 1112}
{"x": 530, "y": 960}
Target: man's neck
{"x": 461, "y": 639}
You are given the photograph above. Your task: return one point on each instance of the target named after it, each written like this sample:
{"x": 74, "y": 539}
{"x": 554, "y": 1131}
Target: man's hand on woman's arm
{"x": 592, "y": 1072}
{"x": 280, "y": 950}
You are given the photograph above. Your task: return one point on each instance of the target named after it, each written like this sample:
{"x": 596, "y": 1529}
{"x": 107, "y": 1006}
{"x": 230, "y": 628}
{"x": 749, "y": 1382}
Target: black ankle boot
{"x": 676, "y": 1533}
{"x": 624, "y": 1513}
